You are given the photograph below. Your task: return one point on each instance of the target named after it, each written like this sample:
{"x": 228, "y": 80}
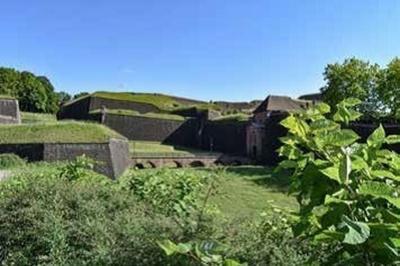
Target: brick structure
{"x": 264, "y": 130}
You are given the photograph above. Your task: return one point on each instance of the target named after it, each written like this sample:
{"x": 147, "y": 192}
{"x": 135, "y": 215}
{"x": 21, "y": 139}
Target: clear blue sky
{"x": 206, "y": 49}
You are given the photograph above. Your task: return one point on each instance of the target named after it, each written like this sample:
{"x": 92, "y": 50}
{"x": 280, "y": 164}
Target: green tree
{"x": 63, "y": 97}
{"x": 353, "y": 78}
{"x": 35, "y": 94}
{"x": 389, "y": 87}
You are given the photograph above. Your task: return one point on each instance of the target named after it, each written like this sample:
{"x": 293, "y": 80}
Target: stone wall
{"x": 112, "y": 158}
{"x": 226, "y": 137}
{"x": 78, "y": 110}
{"x": 30, "y": 152}
{"x": 9, "y": 111}
{"x": 175, "y": 132}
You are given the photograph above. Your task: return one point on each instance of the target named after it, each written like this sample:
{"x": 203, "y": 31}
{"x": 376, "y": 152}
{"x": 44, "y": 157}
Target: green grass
{"x": 31, "y": 118}
{"x": 161, "y": 101}
{"x": 8, "y": 97}
{"x": 250, "y": 190}
{"x": 233, "y": 118}
{"x": 62, "y": 132}
{"x": 135, "y": 113}
{"x": 143, "y": 148}
{"x": 243, "y": 191}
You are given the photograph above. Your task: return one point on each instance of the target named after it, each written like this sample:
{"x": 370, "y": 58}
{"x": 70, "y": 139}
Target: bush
{"x": 348, "y": 191}
{"x": 172, "y": 192}
{"x": 269, "y": 241}
{"x": 10, "y": 160}
{"x": 49, "y": 220}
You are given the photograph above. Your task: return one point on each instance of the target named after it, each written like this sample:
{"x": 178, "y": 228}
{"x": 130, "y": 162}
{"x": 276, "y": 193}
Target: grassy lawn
{"x": 31, "y": 118}
{"x": 250, "y": 190}
{"x": 156, "y": 148}
{"x": 61, "y": 132}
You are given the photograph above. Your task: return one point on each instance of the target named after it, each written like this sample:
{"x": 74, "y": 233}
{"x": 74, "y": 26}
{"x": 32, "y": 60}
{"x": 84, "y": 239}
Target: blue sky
{"x": 206, "y": 49}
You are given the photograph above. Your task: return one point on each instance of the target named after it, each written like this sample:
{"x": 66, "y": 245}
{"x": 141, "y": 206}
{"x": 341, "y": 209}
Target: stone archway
{"x": 197, "y": 164}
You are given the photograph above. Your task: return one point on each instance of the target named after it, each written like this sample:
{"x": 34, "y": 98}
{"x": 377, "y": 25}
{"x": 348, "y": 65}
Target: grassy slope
{"x": 153, "y": 147}
{"x": 148, "y": 115}
{"x": 249, "y": 190}
{"x": 31, "y": 118}
{"x": 62, "y": 132}
{"x": 161, "y": 101}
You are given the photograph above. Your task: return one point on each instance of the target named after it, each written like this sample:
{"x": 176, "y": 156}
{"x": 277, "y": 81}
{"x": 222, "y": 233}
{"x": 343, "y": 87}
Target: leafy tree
{"x": 389, "y": 86}
{"x": 353, "y": 78}
{"x": 348, "y": 191}
{"x": 63, "y": 97}
{"x": 35, "y": 94}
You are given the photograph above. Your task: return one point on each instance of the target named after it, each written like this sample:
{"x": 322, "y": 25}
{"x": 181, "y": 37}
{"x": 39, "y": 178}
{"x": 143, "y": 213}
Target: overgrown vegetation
{"x": 61, "y": 132}
{"x": 348, "y": 191}
{"x": 10, "y": 160}
{"x": 68, "y": 215}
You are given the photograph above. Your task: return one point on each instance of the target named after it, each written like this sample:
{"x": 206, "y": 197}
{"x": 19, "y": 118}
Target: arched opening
{"x": 178, "y": 164}
{"x": 219, "y": 163}
{"x": 197, "y": 164}
{"x": 236, "y": 163}
{"x": 139, "y": 166}
{"x": 150, "y": 164}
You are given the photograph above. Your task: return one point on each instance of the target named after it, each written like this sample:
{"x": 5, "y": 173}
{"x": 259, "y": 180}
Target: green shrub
{"x": 48, "y": 220}
{"x": 10, "y": 160}
{"x": 269, "y": 241}
{"x": 348, "y": 191}
{"x": 81, "y": 167}
{"x": 175, "y": 193}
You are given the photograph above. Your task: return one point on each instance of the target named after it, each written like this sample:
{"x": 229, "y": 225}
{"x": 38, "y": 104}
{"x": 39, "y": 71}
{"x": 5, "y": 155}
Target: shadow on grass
{"x": 262, "y": 176}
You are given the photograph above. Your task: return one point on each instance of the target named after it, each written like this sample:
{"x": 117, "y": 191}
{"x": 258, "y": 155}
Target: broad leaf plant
{"x": 347, "y": 189}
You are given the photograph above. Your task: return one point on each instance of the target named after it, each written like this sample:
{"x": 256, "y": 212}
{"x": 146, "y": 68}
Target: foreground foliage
{"x": 9, "y": 160}
{"x": 348, "y": 191}
{"x": 65, "y": 214}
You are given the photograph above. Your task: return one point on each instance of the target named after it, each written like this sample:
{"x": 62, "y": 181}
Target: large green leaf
{"x": 323, "y": 124}
{"x": 350, "y": 102}
{"x": 295, "y": 125}
{"x": 380, "y": 190}
{"x": 333, "y": 173}
{"x": 385, "y": 174}
{"x": 393, "y": 139}
{"x": 339, "y": 138}
{"x": 168, "y": 246}
{"x": 323, "y": 108}
{"x": 357, "y": 232}
{"x": 377, "y": 138}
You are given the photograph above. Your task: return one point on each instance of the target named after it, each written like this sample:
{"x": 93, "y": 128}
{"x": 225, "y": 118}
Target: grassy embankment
{"x": 59, "y": 132}
{"x": 32, "y": 118}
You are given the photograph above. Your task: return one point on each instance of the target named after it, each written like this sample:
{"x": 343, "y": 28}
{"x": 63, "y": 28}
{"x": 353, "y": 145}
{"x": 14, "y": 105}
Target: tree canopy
{"x": 378, "y": 88}
{"x": 34, "y": 93}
